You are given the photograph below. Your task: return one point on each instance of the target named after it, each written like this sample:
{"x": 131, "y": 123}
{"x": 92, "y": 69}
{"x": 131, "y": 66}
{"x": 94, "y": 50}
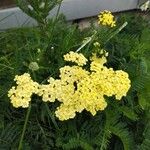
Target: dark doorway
{"x": 7, "y": 3}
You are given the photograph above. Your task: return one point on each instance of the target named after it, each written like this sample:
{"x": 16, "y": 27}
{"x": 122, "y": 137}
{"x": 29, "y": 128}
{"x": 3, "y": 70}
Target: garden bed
{"x": 63, "y": 88}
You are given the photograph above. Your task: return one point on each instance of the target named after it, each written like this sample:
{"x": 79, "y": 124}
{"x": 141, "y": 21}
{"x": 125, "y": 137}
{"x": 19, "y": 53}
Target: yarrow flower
{"x": 75, "y": 57}
{"x": 20, "y": 96}
{"x": 106, "y": 18}
{"x": 79, "y": 89}
{"x": 76, "y": 89}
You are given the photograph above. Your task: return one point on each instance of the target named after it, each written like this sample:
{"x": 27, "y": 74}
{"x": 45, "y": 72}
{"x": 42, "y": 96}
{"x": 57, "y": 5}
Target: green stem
{"x": 51, "y": 117}
{"x": 58, "y": 10}
{"x": 3, "y": 65}
{"x": 24, "y": 128}
{"x": 117, "y": 31}
{"x": 55, "y": 19}
{"x": 84, "y": 44}
{"x": 88, "y": 40}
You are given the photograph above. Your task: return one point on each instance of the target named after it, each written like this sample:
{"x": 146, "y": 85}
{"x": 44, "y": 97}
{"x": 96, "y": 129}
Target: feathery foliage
{"x": 122, "y": 125}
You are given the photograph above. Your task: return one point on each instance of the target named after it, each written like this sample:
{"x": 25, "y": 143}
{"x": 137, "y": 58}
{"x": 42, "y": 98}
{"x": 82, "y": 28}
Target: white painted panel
{"x": 72, "y": 9}
{"x": 14, "y": 17}
{"x": 85, "y": 8}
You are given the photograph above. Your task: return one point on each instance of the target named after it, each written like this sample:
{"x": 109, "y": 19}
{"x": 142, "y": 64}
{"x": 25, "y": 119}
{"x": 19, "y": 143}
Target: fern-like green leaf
{"x": 8, "y": 136}
{"x": 119, "y": 129}
{"x": 146, "y": 142}
{"x": 75, "y": 143}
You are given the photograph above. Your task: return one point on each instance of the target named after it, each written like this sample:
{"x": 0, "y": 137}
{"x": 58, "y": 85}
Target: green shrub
{"x": 122, "y": 125}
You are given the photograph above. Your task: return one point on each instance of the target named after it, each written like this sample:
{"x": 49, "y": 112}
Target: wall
{"x": 72, "y": 9}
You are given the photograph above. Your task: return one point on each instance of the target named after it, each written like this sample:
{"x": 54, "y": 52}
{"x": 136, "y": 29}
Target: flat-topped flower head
{"x": 77, "y": 89}
{"x": 20, "y": 95}
{"x": 106, "y": 18}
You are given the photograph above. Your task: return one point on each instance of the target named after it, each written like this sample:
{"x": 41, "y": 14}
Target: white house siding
{"x": 72, "y": 9}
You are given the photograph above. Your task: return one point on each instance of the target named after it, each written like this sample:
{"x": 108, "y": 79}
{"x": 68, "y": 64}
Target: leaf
{"x": 1, "y": 121}
{"x": 9, "y": 135}
{"x": 143, "y": 66}
{"x": 129, "y": 113}
{"x": 123, "y": 134}
{"x": 74, "y": 143}
{"x": 144, "y": 100}
{"x": 118, "y": 128}
{"x": 146, "y": 139}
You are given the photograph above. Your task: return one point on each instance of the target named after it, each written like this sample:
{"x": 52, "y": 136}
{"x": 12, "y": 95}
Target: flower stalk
{"x": 24, "y": 127}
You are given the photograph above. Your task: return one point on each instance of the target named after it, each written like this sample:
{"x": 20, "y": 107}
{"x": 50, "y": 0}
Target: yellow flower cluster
{"x": 107, "y": 19}
{"x": 110, "y": 82}
{"x": 75, "y": 57}
{"x": 20, "y": 96}
{"x": 77, "y": 89}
